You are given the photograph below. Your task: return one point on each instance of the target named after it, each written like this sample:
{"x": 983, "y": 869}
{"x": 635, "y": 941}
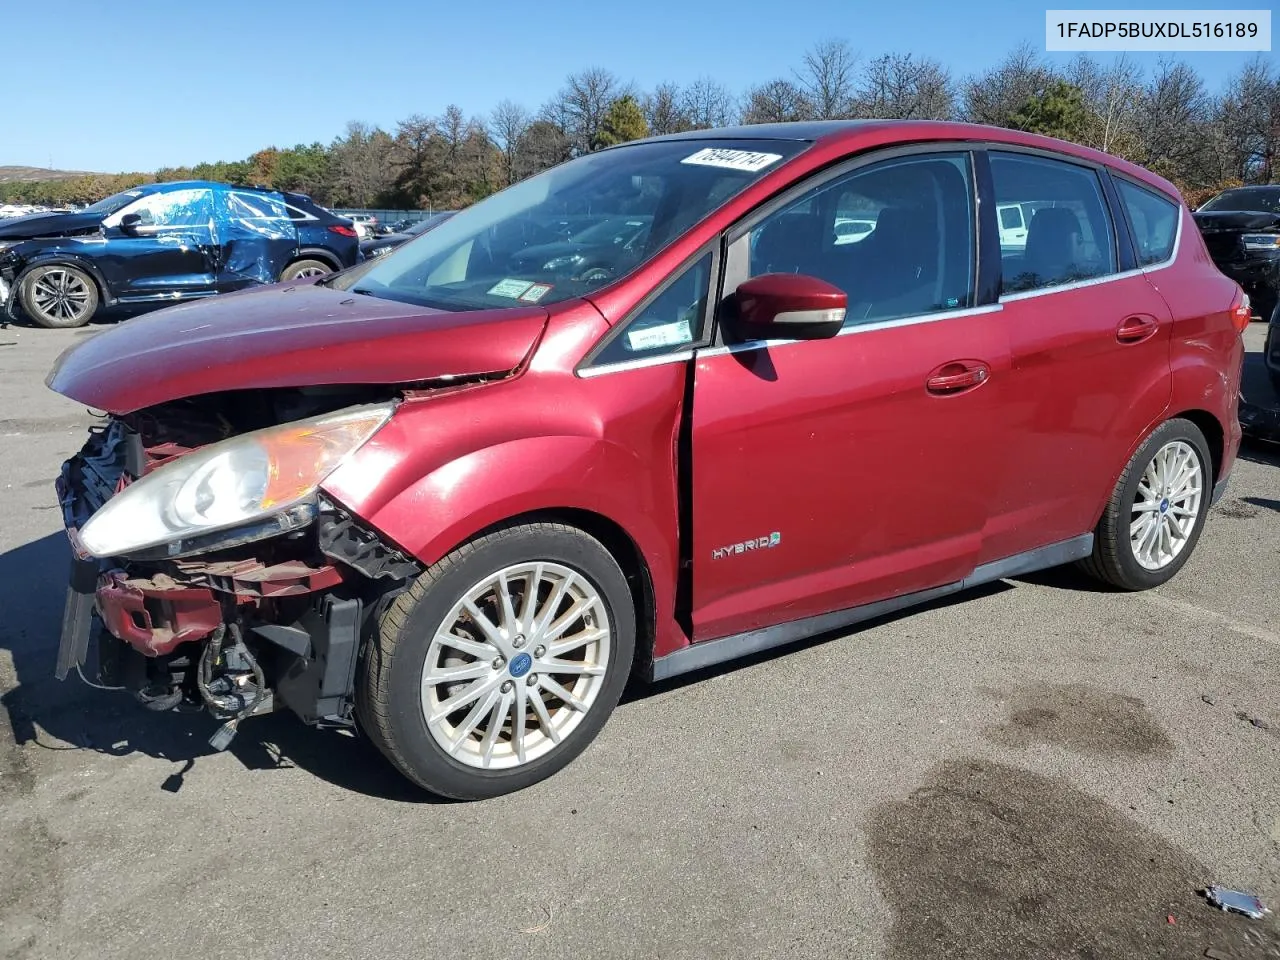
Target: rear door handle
{"x": 957, "y": 376}
{"x": 1137, "y": 328}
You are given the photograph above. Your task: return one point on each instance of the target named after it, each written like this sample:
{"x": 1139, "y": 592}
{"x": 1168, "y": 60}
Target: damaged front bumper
{"x": 295, "y": 607}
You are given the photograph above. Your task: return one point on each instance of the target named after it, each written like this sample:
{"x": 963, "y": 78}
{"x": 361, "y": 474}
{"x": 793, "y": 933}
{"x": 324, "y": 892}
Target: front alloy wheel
{"x": 58, "y": 296}
{"x": 501, "y": 662}
{"x": 518, "y": 667}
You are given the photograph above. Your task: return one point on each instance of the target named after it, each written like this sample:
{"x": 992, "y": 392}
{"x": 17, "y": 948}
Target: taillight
{"x": 1242, "y": 313}
{"x": 341, "y": 230}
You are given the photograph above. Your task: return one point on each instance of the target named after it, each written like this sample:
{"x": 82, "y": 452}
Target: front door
{"x": 828, "y": 474}
{"x": 167, "y": 252}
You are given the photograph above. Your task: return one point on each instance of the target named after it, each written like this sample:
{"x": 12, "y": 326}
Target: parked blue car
{"x": 164, "y": 243}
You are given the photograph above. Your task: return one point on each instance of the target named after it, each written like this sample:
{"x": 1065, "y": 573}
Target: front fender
{"x": 445, "y": 468}
{"x": 48, "y": 258}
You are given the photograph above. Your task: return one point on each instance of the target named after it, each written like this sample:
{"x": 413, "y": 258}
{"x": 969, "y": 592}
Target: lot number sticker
{"x": 509, "y": 288}
{"x": 745, "y": 160}
{"x": 536, "y": 292}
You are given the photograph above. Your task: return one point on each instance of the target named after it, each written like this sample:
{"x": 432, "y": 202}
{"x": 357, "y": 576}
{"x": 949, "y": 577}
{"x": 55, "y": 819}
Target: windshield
{"x": 1263, "y": 201}
{"x": 114, "y": 202}
{"x": 616, "y": 230}
{"x": 649, "y": 193}
{"x": 422, "y": 226}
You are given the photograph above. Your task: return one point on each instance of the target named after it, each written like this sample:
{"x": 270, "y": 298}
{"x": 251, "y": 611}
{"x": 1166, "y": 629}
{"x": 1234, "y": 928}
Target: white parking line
{"x": 1239, "y": 626}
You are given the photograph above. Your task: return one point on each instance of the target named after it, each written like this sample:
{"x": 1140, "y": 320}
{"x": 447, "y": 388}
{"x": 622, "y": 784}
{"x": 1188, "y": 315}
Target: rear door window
{"x": 1154, "y": 219}
{"x": 1070, "y": 237}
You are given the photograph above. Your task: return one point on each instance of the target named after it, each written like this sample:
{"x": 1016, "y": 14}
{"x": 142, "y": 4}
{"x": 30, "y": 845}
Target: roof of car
{"x": 197, "y": 184}
{"x": 833, "y": 133}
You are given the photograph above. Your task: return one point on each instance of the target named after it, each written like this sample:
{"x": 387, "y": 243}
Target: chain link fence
{"x": 387, "y": 217}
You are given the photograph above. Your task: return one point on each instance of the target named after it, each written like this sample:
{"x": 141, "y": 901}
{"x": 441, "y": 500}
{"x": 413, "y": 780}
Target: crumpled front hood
{"x": 290, "y": 335}
{"x": 48, "y": 225}
{"x": 1234, "y": 221}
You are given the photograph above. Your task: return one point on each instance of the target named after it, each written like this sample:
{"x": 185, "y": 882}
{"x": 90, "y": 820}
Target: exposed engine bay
{"x": 237, "y": 625}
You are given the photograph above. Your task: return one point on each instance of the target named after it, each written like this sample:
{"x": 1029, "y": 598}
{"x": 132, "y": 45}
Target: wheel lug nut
{"x": 533, "y": 680}
{"x": 499, "y": 663}
{"x": 506, "y": 687}
{"x": 540, "y": 652}
{"x": 518, "y": 642}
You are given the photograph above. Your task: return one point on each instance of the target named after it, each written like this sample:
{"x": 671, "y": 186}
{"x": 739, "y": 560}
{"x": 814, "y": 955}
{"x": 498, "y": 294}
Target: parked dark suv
{"x": 165, "y": 242}
{"x": 1241, "y": 228}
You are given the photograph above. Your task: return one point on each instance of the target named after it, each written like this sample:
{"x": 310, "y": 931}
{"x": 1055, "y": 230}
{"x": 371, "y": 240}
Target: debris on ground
{"x": 1256, "y": 721}
{"x": 1235, "y": 901}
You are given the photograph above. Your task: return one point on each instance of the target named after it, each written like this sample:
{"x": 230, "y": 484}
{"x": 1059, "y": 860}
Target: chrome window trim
{"x": 921, "y": 318}
{"x": 680, "y": 356}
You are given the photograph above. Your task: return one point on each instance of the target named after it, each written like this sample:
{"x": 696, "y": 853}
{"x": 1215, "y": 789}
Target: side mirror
{"x": 790, "y": 306}
{"x": 133, "y": 225}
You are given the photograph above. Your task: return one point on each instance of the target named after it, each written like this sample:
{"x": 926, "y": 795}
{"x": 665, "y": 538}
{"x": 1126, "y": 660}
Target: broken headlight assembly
{"x": 249, "y": 487}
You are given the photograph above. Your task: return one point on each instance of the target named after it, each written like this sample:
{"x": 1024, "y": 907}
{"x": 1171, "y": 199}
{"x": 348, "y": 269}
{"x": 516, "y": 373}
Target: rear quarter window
{"x": 1154, "y": 219}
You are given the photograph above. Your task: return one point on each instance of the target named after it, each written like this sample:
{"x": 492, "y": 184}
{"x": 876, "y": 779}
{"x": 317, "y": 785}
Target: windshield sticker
{"x": 536, "y": 292}
{"x": 665, "y": 335}
{"x": 746, "y": 160}
{"x": 509, "y": 288}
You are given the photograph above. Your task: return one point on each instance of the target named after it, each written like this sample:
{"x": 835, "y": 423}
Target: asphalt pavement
{"x": 1038, "y": 769}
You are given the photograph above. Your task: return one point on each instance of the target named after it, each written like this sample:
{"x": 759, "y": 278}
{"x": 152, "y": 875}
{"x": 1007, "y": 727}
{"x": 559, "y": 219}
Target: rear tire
{"x": 58, "y": 296}
{"x": 305, "y": 268}
{"x": 1157, "y": 510}
{"x": 492, "y": 668}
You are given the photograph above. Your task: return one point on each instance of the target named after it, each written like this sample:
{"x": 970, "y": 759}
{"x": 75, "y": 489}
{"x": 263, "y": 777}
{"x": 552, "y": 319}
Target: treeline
{"x": 1166, "y": 120}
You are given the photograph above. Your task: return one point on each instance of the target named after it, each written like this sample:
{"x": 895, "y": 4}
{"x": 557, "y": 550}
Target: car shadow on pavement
{"x": 639, "y": 689}
{"x": 45, "y": 713}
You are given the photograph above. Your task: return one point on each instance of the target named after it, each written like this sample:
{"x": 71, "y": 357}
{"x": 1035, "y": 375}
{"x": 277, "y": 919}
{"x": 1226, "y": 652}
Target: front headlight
{"x": 1261, "y": 241}
{"x": 378, "y": 251}
{"x": 266, "y": 477}
{"x": 559, "y": 263}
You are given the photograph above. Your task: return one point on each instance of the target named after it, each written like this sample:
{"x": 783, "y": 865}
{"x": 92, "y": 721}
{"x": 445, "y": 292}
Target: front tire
{"x": 58, "y": 296}
{"x": 1156, "y": 513}
{"x": 500, "y": 663}
{"x": 305, "y": 268}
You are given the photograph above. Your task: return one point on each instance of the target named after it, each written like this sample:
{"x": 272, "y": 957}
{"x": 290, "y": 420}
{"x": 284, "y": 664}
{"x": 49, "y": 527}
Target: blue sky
{"x": 139, "y": 84}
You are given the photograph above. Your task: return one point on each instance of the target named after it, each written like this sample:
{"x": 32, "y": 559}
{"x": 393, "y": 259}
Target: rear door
{"x": 828, "y": 474}
{"x": 168, "y": 252}
{"x": 256, "y": 238}
{"x": 1089, "y": 340}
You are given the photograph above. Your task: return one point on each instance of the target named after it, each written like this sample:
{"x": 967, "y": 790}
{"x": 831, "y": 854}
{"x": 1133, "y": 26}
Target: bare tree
{"x": 579, "y": 107}
{"x": 827, "y": 79}
{"x": 664, "y": 110}
{"x": 995, "y": 96}
{"x": 707, "y": 104}
{"x": 778, "y": 101}
{"x": 1173, "y": 118}
{"x": 1249, "y": 118}
{"x": 899, "y": 86}
{"x": 1111, "y": 96}
{"x": 542, "y": 145}
{"x": 507, "y": 124}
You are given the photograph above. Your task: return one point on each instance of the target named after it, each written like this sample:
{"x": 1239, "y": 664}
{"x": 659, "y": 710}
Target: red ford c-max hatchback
{"x": 650, "y": 410}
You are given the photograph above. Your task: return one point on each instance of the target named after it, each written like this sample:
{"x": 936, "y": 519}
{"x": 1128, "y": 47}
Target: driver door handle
{"x": 957, "y": 377}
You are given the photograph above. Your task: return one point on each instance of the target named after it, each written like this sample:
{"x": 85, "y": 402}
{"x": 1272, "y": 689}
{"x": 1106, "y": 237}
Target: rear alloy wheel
{"x": 501, "y": 662}
{"x": 1157, "y": 510}
{"x": 305, "y": 268}
{"x": 58, "y": 296}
